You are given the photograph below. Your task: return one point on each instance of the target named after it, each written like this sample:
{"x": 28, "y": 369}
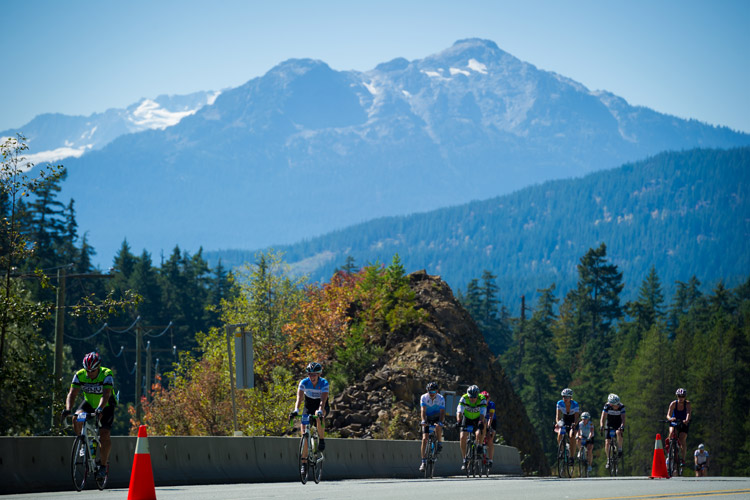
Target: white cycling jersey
{"x": 702, "y": 457}
{"x": 432, "y": 406}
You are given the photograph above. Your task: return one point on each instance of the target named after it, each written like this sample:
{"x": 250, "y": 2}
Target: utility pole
{"x": 150, "y": 350}
{"x": 148, "y": 370}
{"x": 138, "y": 368}
{"x": 138, "y": 381}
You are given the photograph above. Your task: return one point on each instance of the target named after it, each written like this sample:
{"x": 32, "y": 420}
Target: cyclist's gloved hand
{"x": 423, "y": 423}
{"x": 319, "y": 413}
{"x": 65, "y": 413}
{"x": 293, "y": 414}
{"x": 98, "y": 411}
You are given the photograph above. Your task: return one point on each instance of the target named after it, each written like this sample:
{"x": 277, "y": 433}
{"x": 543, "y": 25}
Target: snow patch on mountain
{"x": 456, "y": 71}
{"x": 477, "y": 66}
{"x": 370, "y": 86}
{"x": 150, "y": 115}
{"x": 57, "y": 154}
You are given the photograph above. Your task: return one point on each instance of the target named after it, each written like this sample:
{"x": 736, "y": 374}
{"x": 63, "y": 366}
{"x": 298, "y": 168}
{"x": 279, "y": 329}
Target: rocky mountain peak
{"x": 448, "y": 348}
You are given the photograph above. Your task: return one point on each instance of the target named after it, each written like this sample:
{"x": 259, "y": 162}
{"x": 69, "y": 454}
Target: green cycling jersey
{"x": 472, "y": 410}
{"x": 93, "y": 389}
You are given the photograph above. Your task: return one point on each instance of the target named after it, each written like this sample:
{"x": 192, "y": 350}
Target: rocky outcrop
{"x": 448, "y": 348}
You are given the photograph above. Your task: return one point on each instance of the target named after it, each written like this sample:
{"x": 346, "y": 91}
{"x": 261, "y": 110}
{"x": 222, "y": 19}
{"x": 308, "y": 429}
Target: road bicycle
{"x": 84, "y": 453}
{"x": 431, "y": 454}
{"x": 471, "y": 459}
{"x": 672, "y": 449}
{"x": 564, "y": 460}
{"x": 614, "y": 454}
{"x": 583, "y": 461}
{"x": 310, "y": 441}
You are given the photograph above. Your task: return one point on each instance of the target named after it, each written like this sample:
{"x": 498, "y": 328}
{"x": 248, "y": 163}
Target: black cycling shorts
{"x": 493, "y": 425}
{"x": 478, "y": 422}
{"x": 108, "y": 413}
{"x": 430, "y": 420}
{"x": 312, "y": 405}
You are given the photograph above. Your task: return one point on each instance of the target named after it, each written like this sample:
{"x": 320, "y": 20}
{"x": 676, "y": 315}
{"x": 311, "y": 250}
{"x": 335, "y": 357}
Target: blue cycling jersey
{"x": 313, "y": 391}
{"x": 491, "y": 415}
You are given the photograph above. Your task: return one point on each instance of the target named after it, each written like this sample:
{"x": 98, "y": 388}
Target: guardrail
{"x": 34, "y": 464}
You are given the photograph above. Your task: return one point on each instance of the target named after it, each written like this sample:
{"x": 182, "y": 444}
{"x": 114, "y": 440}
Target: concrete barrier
{"x": 33, "y": 464}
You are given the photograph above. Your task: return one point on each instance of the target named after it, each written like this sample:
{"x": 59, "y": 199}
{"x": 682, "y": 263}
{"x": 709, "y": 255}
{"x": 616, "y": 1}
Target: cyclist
{"x": 701, "y": 461}
{"x": 470, "y": 411}
{"x": 491, "y": 426}
{"x": 680, "y": 411}
{"x": 567, "y": 411}
{"x": 314, "y": 389}
{"x": 97, "y": 384}
{"x": 586, "y": 434}
{"x": 432, "y": 409}
{"x": 614, "y": 414}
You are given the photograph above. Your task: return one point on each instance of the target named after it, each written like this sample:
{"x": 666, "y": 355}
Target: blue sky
{"x": 683, "y": 57}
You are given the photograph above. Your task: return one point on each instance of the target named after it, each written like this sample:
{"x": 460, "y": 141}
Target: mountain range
{"x": 305, "y": 149}
{"x": 54, "y": 137}
{"x": 683, "y": 213}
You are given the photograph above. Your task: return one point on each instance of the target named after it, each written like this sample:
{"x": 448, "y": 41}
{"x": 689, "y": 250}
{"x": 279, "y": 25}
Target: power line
{"x": 90, "y": 336}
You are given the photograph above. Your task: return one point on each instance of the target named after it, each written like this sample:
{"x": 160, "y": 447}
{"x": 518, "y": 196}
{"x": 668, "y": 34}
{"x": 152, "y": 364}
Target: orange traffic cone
{"x": 659, "y": 466}
{"x": 142, "y": 477}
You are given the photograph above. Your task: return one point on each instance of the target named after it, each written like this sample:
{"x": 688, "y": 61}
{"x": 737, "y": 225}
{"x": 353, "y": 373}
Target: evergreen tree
{"x": 537, "y": 366}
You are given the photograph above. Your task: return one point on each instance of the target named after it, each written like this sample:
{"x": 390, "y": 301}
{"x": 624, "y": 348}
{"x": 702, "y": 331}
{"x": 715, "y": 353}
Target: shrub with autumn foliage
{"x": 341, "y": 324}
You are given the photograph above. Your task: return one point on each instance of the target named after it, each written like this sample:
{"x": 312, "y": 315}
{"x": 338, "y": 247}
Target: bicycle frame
{"x": 431, "y": 452}
{"x": 85, "y": 449}
{"x": 614, "y": 456}
{"x": 563, "y": 453}
{"x": 309, "y": 446}
{"x": 471, "y": 452}
{"x": 583, "y": 463}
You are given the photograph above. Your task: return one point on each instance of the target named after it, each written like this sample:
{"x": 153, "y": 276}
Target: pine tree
{"x": 537, "y": 366}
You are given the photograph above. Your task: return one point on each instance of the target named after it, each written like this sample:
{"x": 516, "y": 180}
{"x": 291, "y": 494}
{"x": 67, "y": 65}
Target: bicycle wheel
{"x": 79, "y": 463}
{"x": 302, "y": 461}
{"x": 612, "y": 457}
{"x": 430, "y": 462}
{"x": 569, "y": 463}
{"x": 317, "y": 466}
{"x": 561, "y": 456}
{"x": 672, "y": 459}
{"x": 581, "y": 463}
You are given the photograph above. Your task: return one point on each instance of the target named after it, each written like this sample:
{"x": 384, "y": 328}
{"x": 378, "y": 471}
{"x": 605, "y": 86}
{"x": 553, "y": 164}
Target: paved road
{"x": 630, "y": 488}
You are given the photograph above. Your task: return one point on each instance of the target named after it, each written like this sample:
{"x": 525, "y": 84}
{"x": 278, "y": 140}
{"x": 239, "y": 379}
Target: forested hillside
{"x": 685, "y": 213}
{"x": 591, "y": 340}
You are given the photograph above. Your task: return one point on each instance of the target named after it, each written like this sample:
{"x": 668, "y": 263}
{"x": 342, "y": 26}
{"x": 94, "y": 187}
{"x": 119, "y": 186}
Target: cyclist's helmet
{"x": 700, "y": 446}
{"x": 473, "y": 391}
{"x": 485, "y": 394}
{"x": 585, "y": 415}
{"x": 91, "y": 361}
{"x": 314, "y": 368}
{"x": 433, "y": 386}
{"x": 613, "y": 399}
{"x": 680, "y": 392}
{"x": 567, "y": 392}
